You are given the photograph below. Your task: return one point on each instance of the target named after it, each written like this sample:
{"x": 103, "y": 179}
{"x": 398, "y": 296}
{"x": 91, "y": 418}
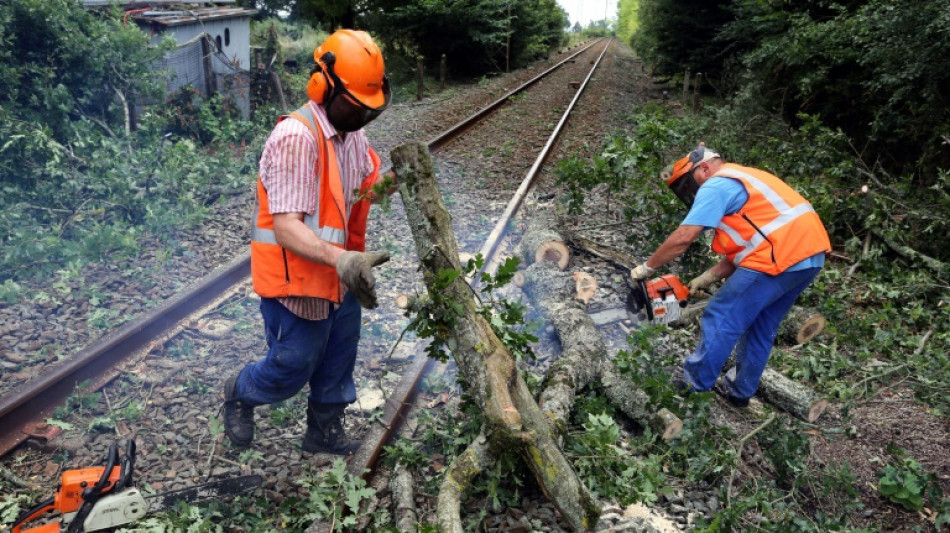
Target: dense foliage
{"x": 476, "y": 31}
{"x": 874, "y": 68}
{"x": 78, "y": 184}
{"x": 476, "y": 36}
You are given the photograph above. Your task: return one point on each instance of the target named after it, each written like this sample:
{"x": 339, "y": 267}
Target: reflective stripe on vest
{"x": 771, "y": 210}
{"x": 327, "y": 233}
{"x": 276, "y": 271}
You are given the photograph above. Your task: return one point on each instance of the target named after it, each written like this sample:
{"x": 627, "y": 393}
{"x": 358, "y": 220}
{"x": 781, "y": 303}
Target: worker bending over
{"x": 774, "y": 245}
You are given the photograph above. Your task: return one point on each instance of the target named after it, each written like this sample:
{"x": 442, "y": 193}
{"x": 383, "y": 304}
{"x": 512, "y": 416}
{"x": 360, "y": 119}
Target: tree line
{"x": 873, "y": 68}
{"x": 478, "y": 37}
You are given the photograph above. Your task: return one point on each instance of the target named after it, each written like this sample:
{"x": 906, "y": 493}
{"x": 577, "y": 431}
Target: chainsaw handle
{"x": 128, "y": 467}
{"x": 34, "y": 513}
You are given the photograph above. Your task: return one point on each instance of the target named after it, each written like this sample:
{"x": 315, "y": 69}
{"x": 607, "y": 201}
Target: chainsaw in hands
{"x": 659, "y": 300}
{"x": 102, "y": 497}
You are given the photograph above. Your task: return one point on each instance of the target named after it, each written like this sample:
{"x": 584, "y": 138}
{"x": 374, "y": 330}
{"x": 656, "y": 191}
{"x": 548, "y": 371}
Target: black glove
{"x": 356, "y": 272}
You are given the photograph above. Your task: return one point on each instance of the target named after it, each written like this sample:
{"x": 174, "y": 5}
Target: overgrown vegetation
{"x": 886, "y": 308}
{"x": 79, "y": 186}
{"x": 873, "y": 68}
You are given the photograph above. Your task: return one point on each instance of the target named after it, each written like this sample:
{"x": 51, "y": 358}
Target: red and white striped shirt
{"x": 288, "y": 172}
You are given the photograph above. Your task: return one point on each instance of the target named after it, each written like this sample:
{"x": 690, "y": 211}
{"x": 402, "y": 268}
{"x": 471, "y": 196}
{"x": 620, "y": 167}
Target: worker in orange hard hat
{"x": 774, "y": 245}
{"x": 308, "y": 264}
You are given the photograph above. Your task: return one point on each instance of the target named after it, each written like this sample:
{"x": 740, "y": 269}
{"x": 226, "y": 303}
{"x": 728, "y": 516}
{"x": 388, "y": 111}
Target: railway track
{"x": 157, "y": 378}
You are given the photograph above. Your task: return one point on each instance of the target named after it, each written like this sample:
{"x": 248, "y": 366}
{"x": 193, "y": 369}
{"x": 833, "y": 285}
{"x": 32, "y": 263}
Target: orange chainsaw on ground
{"x": 659, "y": 300}
{"x": 102, "y": 497}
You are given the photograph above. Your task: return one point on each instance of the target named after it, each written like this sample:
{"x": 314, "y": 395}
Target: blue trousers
{"x": 744, "y": 314}
{"x": 321, "y": 352}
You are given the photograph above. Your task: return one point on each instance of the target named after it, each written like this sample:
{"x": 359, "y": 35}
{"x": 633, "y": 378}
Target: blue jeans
{"x": 321, "y": 352}
{"x": 745, "y": 312}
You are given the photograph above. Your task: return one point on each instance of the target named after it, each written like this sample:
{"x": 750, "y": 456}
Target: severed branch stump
{"x": 486, "y": 367}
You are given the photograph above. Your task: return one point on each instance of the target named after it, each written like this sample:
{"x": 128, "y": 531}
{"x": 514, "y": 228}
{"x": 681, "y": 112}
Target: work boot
{"x": 325, "y": 432}
{"x": 238, "y": 416}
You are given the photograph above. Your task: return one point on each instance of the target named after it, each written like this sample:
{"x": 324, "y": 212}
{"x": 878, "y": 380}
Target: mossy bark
{"x": 486, "y": 366}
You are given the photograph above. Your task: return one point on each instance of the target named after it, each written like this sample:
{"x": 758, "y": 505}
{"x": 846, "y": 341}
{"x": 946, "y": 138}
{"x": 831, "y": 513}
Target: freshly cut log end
{"x": 668, "y": 425}
{"x": 553, "y": 251}
{"x": 811, "y": 328}
{"x": 540, "y": 243}
{"x": 800, "y": 326}
{"x": 518, "y": 279}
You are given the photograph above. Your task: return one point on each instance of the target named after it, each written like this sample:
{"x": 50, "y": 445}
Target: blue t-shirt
{"x": 721, "y": 196}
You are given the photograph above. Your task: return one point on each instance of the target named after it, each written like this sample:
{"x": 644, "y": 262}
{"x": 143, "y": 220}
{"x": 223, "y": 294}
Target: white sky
{"x": 585, "y": 11}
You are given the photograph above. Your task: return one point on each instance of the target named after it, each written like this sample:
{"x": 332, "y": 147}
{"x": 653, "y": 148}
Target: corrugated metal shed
{"x": 214, "y": 42}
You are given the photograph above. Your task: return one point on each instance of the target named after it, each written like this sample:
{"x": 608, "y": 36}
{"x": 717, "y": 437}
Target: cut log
{"x": 800, "y": 326}
{"x": 486, "y": 367}
{"x": 789, "y": 396}
{"x": 583, "y": 358}
{"x": 540, "y": 243}
{"x": 404, "y": 500}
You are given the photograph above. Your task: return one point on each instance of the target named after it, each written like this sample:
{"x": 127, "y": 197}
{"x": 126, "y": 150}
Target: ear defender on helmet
{"x": 318, "y": 88}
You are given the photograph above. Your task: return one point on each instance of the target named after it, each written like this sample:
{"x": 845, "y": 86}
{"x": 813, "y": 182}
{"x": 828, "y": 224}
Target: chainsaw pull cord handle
{"x": 92, "y": 494}
{"x": 39, "y": 509}
{"x": 128, "y": 467}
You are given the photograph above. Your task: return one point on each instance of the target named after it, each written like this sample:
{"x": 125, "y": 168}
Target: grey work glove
{"x": 641, "y": 272}
{"x": 356, "y": 272}
{"x": 702, "y": 282}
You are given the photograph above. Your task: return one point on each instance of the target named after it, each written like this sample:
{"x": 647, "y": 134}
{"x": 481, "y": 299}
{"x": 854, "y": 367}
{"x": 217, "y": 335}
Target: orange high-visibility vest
{"x": 276, "y": 272}
{"x": 776, "y": 227}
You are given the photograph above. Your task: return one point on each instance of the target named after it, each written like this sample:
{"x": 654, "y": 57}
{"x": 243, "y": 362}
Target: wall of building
{"x": 231, "y": 61}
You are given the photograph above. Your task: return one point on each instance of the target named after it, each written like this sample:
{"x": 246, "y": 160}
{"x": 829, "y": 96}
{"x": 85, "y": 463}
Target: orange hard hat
{"x": 351, "y": 57}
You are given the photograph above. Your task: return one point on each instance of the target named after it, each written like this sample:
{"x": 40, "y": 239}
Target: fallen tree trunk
{"x": 513, "y": 419}
{"x": 584, "y": 357}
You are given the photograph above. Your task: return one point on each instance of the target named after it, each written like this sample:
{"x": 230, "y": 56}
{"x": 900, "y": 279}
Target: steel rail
{"x": 37, "y": 399}
{"x": 496, "y": 235}
{"x": 23, "y": 408}
{"x": 365, "y": 460}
